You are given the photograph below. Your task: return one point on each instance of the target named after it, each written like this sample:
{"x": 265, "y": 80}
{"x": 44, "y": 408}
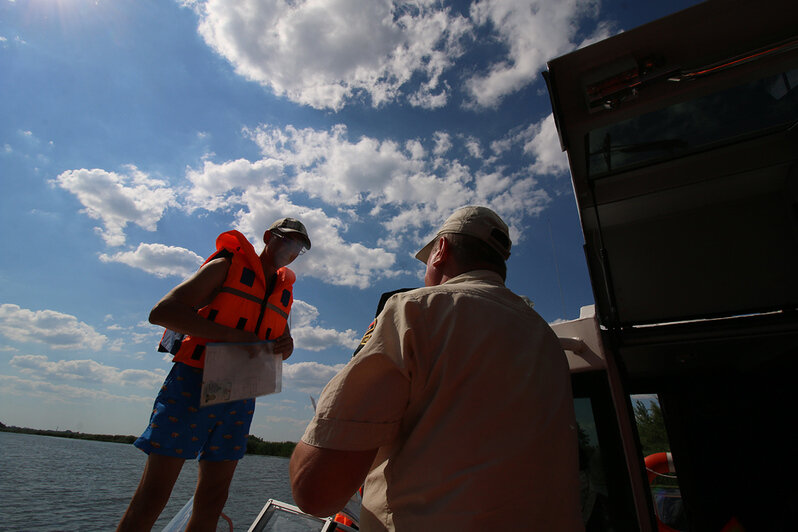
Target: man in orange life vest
{"x": 241, "y": 297}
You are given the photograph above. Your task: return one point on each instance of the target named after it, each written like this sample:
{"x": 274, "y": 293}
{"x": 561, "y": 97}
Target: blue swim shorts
{"x": 180, "y": 428}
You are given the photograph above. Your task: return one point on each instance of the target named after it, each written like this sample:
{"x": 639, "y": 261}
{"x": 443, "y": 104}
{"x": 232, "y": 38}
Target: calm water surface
{"x": 49, "y": 483}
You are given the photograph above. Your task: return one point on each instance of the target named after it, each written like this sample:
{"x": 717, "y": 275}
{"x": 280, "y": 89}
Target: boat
{"x": 682, "y": 141}
{"x": 278, "y": 516}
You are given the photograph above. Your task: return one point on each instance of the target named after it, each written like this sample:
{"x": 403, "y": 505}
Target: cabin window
{"x": 606, "y": 494}
{"x": 751, "y": 109}
{"x": 658, "y": 462}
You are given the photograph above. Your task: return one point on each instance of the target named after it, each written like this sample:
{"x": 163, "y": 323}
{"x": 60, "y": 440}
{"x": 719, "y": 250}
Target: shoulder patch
{"x": 366, "y": 337}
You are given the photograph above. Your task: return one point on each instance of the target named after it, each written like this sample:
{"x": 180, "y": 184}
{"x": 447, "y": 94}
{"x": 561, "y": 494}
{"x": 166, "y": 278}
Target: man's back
{"x": 488, "y": 438}
{"x": 458, "y": 409}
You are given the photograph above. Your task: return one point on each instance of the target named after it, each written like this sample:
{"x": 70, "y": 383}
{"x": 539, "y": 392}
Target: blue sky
{"x": 133, "y": 133}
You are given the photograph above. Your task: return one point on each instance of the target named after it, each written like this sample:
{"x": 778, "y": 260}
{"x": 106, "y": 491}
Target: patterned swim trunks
{"x": 180, "y": 428}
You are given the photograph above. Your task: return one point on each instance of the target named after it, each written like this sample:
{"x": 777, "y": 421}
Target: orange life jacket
{"x": 245, "y": 301}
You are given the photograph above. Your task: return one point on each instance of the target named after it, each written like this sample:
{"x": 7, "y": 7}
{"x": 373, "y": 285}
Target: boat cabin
{"x": 682, "y": 141}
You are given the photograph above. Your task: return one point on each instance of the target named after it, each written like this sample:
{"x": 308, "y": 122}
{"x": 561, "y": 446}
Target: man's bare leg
{"x": 152, "y": 494}
{"x": 213, "y": 484}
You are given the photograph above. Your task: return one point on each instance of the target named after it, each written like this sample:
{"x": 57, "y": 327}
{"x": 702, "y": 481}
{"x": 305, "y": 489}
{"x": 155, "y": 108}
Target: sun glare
{"x": 69, "y": 14}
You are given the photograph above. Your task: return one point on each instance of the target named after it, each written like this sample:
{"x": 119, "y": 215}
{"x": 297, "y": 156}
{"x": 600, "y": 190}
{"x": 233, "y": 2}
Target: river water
{"x": 49, "y": 483}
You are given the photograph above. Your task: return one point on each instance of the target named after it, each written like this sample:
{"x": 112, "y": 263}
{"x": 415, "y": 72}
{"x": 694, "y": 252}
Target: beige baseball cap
{"x": 291, "y": 225}
{"x": 479, "y": 222}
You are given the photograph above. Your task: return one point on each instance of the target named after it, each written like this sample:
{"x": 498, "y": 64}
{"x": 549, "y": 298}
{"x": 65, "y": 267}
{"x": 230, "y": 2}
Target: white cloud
{"x": 604, "y": 29}
{"x": 63, "y": 392}
{"x": 216, "y": 186}
{"x": 118, "y": 199}
{"x": 324, "y": 52}
{"x": 308, "y": 377}
{"x": 533, "y": 31}
{"x": 473, "y": 147}
{"x": 402, "y": 189}
{"x": 491, "y": 183}
{"x": 274, "y": 405}
{"x": 148, "y": 333}
{"x": 152, "y": 338}
{"x": 89, "y": 371}
{"x": 541, "y": 141}
{"x": 116, "y": 345}
{"x": 303, "y": 314}
{"x": 158, "y": 259}
{"x": 271, "y": 421}
{"x": 339, "y": 171}
{"x": 309, "y": 335}
{"x": 523, "y": 196}
{"x": 443, "y": 143}
{"x": 319, "y": 338}
{"x": 58, "y": 330}
{"x": 327, "y": 53}
{"x": 332, "y": 258}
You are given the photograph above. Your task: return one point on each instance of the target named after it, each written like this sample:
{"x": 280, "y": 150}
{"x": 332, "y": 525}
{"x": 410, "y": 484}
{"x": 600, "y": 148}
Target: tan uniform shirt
{"x": 466, "y": 392}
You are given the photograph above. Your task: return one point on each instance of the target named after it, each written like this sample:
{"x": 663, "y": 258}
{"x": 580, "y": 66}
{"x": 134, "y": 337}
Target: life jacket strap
{"x": 241, "y": 293}
{"x": 278, "y": 310}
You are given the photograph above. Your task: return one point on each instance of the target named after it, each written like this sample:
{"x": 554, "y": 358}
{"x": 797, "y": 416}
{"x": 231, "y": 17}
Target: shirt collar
{"x": 487, "y": 276}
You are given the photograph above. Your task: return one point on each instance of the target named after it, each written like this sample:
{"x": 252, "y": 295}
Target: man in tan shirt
{"x": 457, "y": 411}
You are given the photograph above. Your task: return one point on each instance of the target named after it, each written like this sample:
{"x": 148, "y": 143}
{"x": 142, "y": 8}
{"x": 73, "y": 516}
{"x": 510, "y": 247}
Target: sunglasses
{"x": 296, "y": 246}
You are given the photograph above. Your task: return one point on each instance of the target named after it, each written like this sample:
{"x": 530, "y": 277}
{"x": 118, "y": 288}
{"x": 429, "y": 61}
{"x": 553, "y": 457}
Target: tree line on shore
{"x": 255, "y": 445}
{"x": 650, "y": 426}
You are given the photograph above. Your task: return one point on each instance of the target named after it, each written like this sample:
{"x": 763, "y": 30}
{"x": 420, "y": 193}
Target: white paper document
{"x": 240, "y": 371}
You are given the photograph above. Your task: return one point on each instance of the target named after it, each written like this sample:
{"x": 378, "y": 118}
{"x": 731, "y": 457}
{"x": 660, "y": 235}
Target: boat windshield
{"x": 764, "y": 105}
{"x": 278, "y": 516}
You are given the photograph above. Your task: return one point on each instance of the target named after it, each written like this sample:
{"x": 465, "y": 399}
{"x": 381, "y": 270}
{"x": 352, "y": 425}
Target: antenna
{"x": 556, "y": 268}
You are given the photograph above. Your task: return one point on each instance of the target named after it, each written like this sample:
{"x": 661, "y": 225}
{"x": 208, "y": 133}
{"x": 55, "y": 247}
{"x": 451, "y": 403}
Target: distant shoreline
{"x": 255, "y": 445}
{"x": 113, "y": 438}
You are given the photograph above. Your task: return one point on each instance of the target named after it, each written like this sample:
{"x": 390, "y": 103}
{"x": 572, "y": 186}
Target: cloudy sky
{"x": 133, "y": 133}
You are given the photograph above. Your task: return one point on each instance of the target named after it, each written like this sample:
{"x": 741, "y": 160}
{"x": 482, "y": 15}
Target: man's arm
{"x": 177, "y": 310}
{"x": 323, "y": 480}
{"x": 370, "y": 396}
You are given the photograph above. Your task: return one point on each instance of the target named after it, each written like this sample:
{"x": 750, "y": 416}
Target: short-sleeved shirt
{"x": 465, "y": 392}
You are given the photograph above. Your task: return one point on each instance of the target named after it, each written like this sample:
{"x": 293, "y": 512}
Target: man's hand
{"x": 284, "y": 345}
